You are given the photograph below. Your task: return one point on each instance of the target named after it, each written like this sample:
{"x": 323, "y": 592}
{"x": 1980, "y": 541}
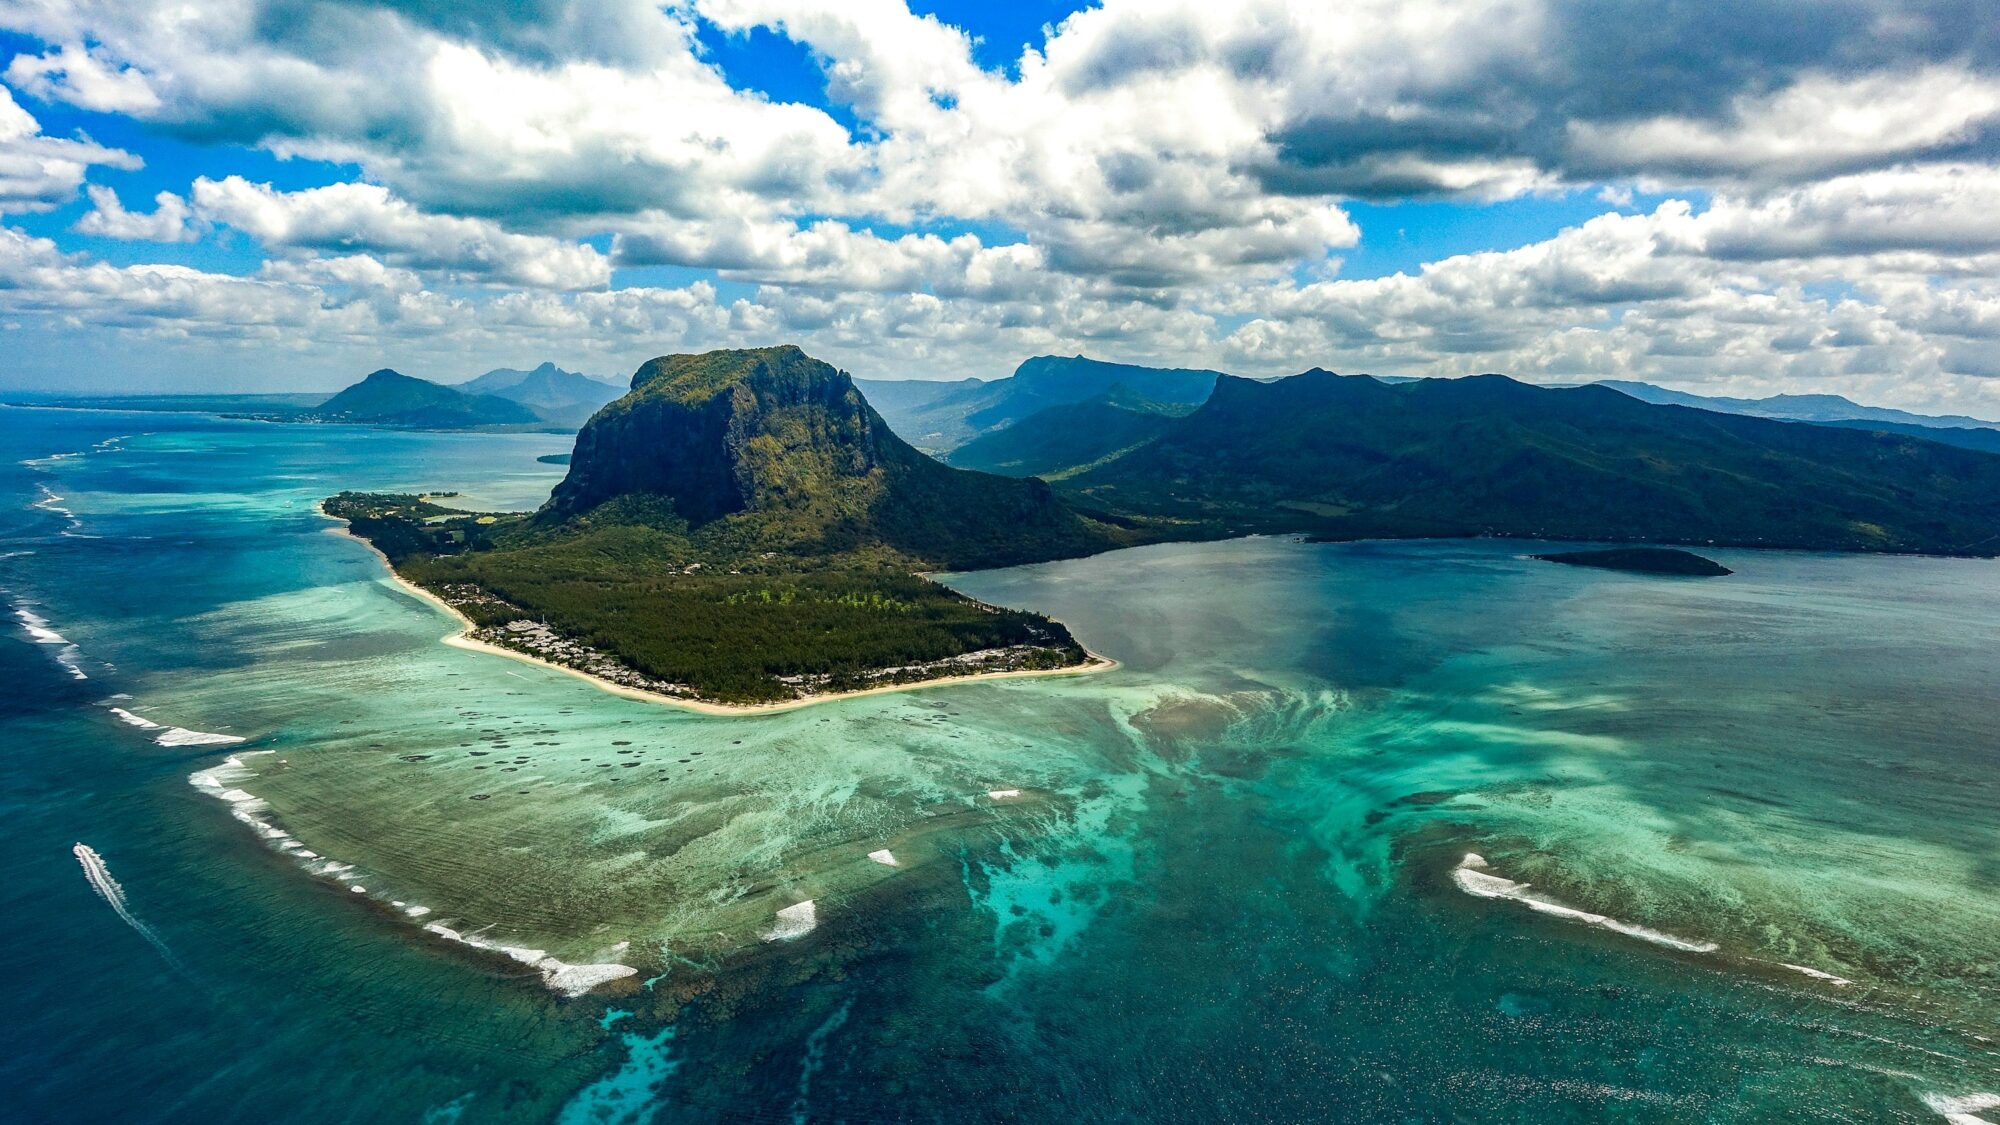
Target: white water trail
{"x": 99, "y": 874}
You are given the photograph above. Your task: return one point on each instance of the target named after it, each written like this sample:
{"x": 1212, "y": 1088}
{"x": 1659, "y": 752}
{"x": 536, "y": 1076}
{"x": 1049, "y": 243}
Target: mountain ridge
{"x": 1351, "y": 456}
{"x": 386, "y": 397}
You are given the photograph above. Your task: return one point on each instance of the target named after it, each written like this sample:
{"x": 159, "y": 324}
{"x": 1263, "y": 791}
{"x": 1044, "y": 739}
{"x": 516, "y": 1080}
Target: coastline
{"x": 462, "y": 639}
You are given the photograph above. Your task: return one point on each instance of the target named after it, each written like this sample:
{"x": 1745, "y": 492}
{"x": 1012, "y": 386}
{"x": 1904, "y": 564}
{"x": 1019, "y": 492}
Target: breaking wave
{"x": 66, "y": 653}
{"x": 224, "y": 782}
{"x": 1473, "y": 878}
{"x": 1963, "y": 1109}
{"x": 174, "y": 736}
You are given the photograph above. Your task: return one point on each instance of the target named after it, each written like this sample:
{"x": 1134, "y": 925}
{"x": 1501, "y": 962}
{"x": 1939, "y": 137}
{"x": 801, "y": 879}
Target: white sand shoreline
{"x": 463, "y": 639}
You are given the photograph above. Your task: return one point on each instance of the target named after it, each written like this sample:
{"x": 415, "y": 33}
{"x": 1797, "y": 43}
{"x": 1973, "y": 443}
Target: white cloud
{"x": 365, "y": 217}
{"x": 38, "y": 172}
{"x": 1152, "y": 183}
{"x": 108, "y": 218}
{"x": 1820, "y": 124}
{"x": 74, "y": 74}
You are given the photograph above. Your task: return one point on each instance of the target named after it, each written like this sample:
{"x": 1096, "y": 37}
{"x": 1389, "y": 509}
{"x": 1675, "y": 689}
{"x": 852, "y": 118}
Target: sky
{"x": 1747, "y": 198}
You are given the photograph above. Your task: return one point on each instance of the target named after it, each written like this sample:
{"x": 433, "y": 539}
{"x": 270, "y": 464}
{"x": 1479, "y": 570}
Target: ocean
{"x": 1357, "y": 832}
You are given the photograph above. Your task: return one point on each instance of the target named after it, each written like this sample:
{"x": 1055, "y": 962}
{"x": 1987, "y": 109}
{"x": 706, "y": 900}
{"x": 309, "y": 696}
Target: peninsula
{"x": 742, "y": 529}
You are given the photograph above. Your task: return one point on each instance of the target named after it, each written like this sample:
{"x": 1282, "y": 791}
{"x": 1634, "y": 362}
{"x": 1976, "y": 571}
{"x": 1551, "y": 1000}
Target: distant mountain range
{"x": 1798, "y": 408}
{"x": 1831, "y": 410}
{"x": 563, "y": 398}
{"x": 391, "y": 398}
{"x": 939, "y": 417}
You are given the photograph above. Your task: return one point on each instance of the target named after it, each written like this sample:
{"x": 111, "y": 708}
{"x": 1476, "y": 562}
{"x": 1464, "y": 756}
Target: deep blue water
{"x": 1222, "y": 882}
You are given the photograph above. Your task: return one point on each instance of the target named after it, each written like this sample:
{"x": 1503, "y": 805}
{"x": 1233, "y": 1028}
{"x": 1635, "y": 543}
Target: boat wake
{"x": 99, "y": 874}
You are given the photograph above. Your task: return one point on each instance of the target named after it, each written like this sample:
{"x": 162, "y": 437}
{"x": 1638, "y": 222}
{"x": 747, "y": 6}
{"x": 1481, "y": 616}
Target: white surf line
{"x": 223, "y": 783}
{"x": 1962, "y": 1109}
{"x": 1816, "y": 974}
{"x": 68, "y": 655}
{"x": 99, "y": 874}
{"x": 174, "y": 736}
{"x": 1474, "y": 880}
{"x": 571, "y": 980}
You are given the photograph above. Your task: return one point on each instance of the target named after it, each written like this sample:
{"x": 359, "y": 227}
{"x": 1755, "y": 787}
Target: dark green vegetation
{"x": 742, "y": 527}
{"x": 1641, "y": 560}
{"x": 390, "y": 398}
{"x": 633, "y": 604}
{"x": 561, "y": 398}
{"x": 1350, "y": 456}
{"x": 1981, "y": 438}
{"x": 942, "y": 416}
{"x": 1063, "y": 440}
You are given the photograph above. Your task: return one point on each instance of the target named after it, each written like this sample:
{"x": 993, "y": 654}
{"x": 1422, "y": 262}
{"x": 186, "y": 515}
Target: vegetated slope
{"x": 956, "y": 413}
{"x": 772, "y": 450}
{"x": 1350, "y": 455}
{"x": 1964, "y": 437}
{"x": 1061, "y": 440}
{"x": 390, "y": 398}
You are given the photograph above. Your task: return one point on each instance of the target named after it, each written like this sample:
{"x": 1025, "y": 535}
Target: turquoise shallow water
{"x": 1223, "y": 881}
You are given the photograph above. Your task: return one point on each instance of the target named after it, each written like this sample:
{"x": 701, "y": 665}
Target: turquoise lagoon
{"x": 1734, "y": 840}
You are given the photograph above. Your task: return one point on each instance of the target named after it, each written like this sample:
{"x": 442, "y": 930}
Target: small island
{"x": 553, "y": 459}
{"x": 1642, "y": 560}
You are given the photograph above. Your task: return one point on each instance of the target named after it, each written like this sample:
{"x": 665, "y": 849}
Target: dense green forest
{"x": 1353, "y": 457}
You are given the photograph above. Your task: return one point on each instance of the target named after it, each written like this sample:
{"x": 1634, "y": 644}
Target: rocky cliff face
{"x": 785, "y": 442}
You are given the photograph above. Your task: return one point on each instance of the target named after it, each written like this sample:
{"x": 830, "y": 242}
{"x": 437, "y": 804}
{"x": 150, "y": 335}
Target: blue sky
{"x": 1764, "y": 199}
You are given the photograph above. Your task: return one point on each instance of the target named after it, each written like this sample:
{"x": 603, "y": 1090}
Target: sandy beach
{"x": 462, "y": 638}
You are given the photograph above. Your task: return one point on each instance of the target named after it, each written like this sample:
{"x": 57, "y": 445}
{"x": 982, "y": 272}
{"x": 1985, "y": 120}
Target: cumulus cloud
{"x": 366, "y": 217}
{"x": 73, "y": 74}
{"x": 108, "y": 218}
{"x": 38, "y": 172}
{"x": 1160, "y": 180}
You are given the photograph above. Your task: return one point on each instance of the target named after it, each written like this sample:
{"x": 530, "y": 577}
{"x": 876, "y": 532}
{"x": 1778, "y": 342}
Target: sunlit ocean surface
{"x": 1734, "y": 842}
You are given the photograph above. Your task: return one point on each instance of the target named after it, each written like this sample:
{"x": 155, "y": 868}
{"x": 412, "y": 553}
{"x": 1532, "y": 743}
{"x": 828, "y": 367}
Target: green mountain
{"x": 1060, "y": 441}
{"x": 1348, "y": 456}
{"x": 939, "y": 417}
{"x": 742, "y": 526}
{"x": 559, "y": 397}
{"x": 390, "y": 398}
{"x": 770, "y": 449}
